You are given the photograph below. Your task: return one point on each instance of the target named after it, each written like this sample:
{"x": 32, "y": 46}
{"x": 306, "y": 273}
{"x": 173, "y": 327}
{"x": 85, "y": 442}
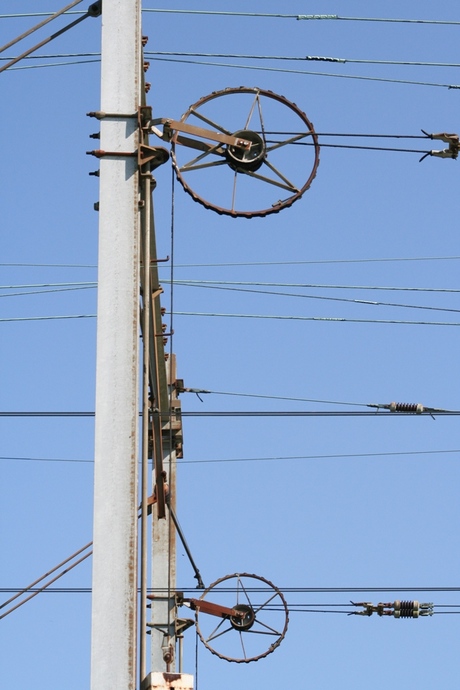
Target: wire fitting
{"x": 408, "y": 408}
{"x": 451, "y": 152}
{"x": 397, "y": 609}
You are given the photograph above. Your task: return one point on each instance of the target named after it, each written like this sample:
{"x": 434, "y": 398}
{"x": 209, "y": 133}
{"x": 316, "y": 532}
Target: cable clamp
{"x": 451, "y": 152}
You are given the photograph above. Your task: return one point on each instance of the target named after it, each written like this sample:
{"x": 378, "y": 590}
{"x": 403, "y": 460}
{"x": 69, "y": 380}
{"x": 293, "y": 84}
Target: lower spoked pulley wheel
{"x": 241, "y": 617}
{"x": 273, "y": 169}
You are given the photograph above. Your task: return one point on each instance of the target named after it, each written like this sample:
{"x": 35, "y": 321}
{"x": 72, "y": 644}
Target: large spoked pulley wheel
{"x": 266, "y": 159}
{"x": 241, "y": 617}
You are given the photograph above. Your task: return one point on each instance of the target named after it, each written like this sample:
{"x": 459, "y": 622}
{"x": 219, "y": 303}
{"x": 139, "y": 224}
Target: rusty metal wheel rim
{"x": 295, "y": 192}
{"x": 257, "y": 626}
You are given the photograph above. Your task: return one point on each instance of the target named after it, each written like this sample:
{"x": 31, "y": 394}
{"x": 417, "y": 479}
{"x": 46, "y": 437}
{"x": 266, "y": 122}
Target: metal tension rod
{"x": 173, "y": 125}
{"x": 197, "y": 575}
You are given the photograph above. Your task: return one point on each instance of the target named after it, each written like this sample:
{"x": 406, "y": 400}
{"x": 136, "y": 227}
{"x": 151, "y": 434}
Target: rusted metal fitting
{"x": 101, "y": 115}
{"x": 99, "y": 153}
{"x": 145, "y": 40}
{"x": 152, "y": 156}
{"x": 147, "y": 87}
{"x": 145, "y": 66}
{"x": 451, "y": 152}
{"x": 168, "y": 654}
{"x": 95, "y": 9}
{"x": 156, "y": 261}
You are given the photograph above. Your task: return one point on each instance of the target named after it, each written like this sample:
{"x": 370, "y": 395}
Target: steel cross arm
{"x": 213, "y": 609}
{"x": 174, "y": 125}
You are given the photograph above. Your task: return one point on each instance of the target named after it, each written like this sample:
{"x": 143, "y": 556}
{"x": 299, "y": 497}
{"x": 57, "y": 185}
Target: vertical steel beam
{"x": 113, "y": 660}
{"x": 164, "y": 552}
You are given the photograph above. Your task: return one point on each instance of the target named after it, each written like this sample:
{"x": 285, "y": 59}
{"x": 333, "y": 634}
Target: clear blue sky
{"x": 382, "y": 513}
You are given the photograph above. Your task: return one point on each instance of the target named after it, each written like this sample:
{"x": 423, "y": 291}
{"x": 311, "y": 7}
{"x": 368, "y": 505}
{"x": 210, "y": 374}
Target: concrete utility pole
{"x": 127, "y": 244}
{"x": 114, "y": 633}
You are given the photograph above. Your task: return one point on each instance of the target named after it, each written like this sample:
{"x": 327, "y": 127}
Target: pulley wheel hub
{"x": 244, "y": 160}
{"x": 246, "y": 620}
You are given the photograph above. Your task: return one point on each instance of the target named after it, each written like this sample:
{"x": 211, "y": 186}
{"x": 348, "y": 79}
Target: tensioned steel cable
{"x": 34, "y": 591}
{"x": 246, "y": 67}
{"x": 38, "y": 26}
{"x": 262, "y": 263}
{"x": 187, "y": 281}
{"x": 293, "y": 58}
{"x": 303, "y": 17}
{"x": 48, "y": 291}
{"x": 94, "y": 10}
{"x": 26, "y": 286}
{"x": 289, "y": 590}
{"x": 317, "y": 262}
{"x": 254, "y": 291}
{"x": 293, "y": 608}
{"x": 307, "y": 72}
{"x": 325, "y": 319}
{"x": 372, "y": 303}
{"x": 286, "y": 58}
{"x": 321, "y": 17}
{"x": 380, "y": 412}
{"x": 260, "y": 459}
{"x": 261, "y": 292}
{"x": 357, "y": 147}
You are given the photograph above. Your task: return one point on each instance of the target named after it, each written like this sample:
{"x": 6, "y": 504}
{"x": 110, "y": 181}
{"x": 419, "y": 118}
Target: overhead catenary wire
{"x": 54, "y": 64}
{"x": 26, "y": 286}
{"x": 35, "y": 265}
{"x": 380, "y": 412}
{"x": 320, "y": 17}
{"x": 318, "y": 262}
{"x": 303, "y": 17}
{"x": 392, "y": 149}
{"x": 49, "y": 291}
{"x": 302, "y": 58}
{"x": 261, "y": 263}
{"x": 39, "y": 25}
{"x": 94, "y": 10}
{"x": 326, "y": 319}
{"x": 255, "y": 459}
{"x": 386, "y": 80}
{"x": 33, "y": 592}
{"x": 10, "y": 66}
{"x": 186, "y": 281}
{"x": 268, "y": 292}
{"x": 189, "y": 281}
{"x": 246, "y": 56}
{"x": 18, "y": 319}
{"x": 290, "y": 590}
{"x": 329, "y": 319}
{"x": 372, "y": 303}
{"x": 199, "y": 391}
